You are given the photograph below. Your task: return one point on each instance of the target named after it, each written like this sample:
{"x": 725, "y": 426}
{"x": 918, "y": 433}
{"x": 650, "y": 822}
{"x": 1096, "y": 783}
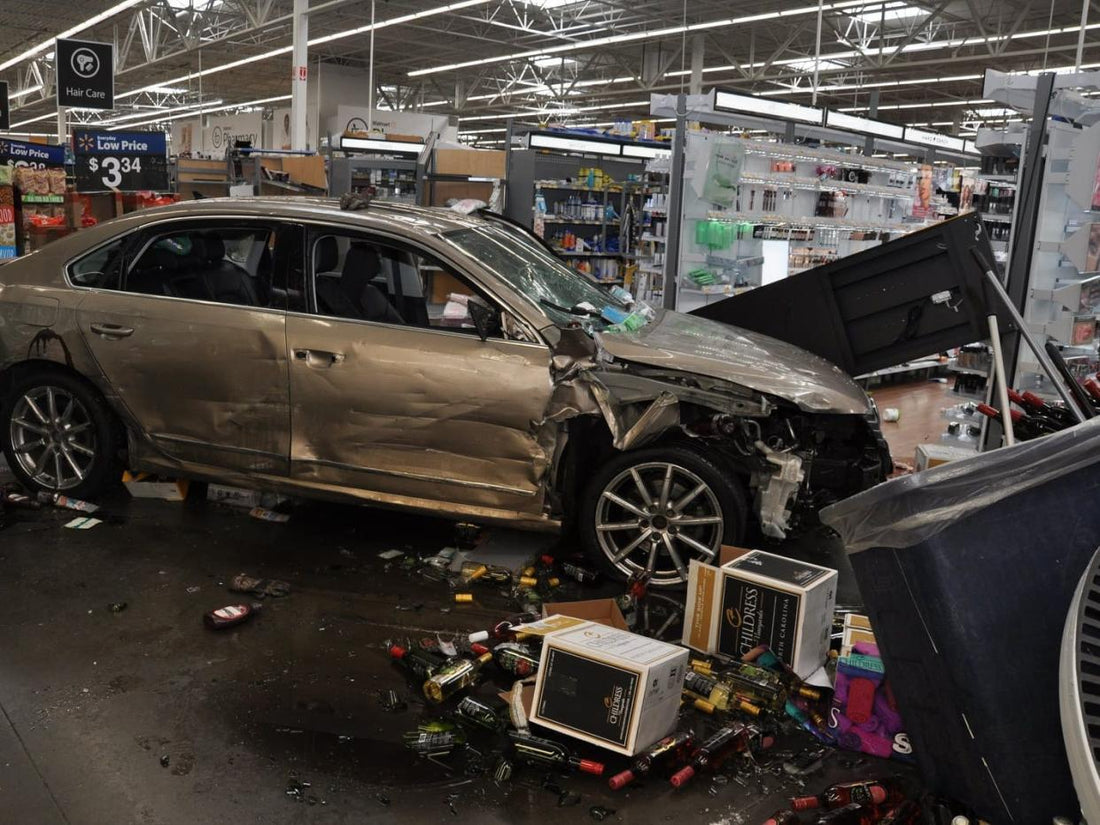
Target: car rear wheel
{"x": 58, "y": 435}
{"x": 652, "y": 511}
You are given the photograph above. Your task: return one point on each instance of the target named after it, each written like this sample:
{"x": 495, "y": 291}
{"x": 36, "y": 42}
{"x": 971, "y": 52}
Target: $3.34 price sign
{"x": 113, "y": 169}
{"x": 120, "y": 161}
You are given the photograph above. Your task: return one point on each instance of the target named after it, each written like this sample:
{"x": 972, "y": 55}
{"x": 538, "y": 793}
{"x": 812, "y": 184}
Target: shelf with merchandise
{"x": 827, "y": 184}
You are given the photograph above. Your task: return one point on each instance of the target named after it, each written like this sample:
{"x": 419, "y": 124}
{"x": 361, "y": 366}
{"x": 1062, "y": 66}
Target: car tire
{"x": 620, "y": 512}
{"x": 80, "y": 425}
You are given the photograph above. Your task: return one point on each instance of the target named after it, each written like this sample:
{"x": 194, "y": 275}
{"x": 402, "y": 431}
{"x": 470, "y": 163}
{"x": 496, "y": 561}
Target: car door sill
{"x": 479, "y": 485}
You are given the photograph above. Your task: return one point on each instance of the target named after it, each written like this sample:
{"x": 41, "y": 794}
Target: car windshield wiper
{"x": 577, "y": 309}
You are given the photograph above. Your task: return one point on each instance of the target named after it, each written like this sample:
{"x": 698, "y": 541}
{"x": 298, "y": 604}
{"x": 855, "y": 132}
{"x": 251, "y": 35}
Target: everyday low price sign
{"x": 120, "y": 161}
{"x": 38, "y": 155}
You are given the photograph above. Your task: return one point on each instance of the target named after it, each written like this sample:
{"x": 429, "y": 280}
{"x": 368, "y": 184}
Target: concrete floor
{"x": 92, "y": 699}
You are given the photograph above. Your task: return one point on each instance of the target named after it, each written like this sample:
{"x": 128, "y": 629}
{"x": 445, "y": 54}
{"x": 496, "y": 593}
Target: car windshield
{"x": 560, "y": 293}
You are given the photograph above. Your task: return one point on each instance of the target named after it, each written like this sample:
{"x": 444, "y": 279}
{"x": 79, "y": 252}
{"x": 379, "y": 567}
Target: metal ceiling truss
{"x": 156, "y": 43}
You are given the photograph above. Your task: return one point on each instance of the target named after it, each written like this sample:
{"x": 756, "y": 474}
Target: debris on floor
{"x": 230, "y": 616}
{"x": 263, "y": 514}
{"x": 83, "y": 523}
{"x": 258, "y": 587}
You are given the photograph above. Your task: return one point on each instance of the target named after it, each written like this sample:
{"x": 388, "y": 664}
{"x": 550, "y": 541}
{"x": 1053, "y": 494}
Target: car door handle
{"x": 112, "y": 330}
{"x": 319, "y": 357}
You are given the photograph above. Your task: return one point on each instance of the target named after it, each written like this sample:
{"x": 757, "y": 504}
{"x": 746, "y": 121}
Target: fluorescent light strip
{"x": 559, "y": 112}
{"x": 390, "y": 147}
{"x": 79, "y": 27}
{"x": 865, "y": 126}
{"x": 27, "y": 91}
{"x": 599, "y": 42}
{"x": 46, "y": 116}
{"x": 146, "y": 114}
{"x": 328, "y": 38}
{"x": 847, "y": 87}
{"x": 943, "y": 104}
{"x": 760, "y": 106}
{"x": 569, "y": 144}
{"x": 203, "y": 111}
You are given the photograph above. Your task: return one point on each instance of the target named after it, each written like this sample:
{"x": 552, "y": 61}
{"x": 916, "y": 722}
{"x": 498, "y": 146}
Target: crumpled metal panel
{"x": 206, "y": 382}
{"x": 691, "y": 344}
{"x": 420, "y": 413}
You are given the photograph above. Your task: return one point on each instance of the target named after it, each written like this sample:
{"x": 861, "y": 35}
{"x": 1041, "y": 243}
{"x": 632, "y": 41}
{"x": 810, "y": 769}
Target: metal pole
{"x": 1081, "y": 34}
{"x": 999, "y": 375}
{"x": 370, "y": 75}
{"x": 61, "y": 112}
{"x": 299, "y": 73}
{"x": 817, "y": 50}
{"x": 1040, "y": 352}
{"x": 675, "y": 205}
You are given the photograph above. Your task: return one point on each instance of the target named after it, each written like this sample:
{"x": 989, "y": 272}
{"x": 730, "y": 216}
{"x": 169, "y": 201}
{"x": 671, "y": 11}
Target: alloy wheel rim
{"x": 53, "y": 438}
{"x": 656, "y": 517}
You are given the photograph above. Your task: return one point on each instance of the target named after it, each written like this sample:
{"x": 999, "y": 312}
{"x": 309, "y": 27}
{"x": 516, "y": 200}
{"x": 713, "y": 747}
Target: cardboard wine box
{"x": 608, "y": 687}
{"x": 753, "y": 598}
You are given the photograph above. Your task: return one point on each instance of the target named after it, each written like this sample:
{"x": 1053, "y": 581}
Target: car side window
{"x": 223, "y": 264}
{"x": 100, "y": 268}
{"x": 365, "y": 279}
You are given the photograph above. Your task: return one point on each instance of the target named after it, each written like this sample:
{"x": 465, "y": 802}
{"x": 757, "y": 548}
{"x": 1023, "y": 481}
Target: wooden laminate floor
{"x": 921, "y": 404}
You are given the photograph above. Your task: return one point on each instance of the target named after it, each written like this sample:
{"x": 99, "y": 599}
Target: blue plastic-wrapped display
{"x": 967, "y": 571}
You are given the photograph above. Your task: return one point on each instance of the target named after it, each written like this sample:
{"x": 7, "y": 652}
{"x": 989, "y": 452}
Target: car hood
{"x": 691, "y": 344}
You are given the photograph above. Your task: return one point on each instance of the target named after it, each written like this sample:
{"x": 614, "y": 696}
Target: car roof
{"x": 379, "y": 215}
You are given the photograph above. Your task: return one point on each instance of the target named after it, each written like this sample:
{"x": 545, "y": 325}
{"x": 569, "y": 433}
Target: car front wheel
{"x": 653, "y": 510}
{"x": 58, "y": 435}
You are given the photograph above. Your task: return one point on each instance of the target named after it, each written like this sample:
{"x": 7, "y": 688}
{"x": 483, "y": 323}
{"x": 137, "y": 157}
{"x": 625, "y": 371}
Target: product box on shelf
{"x": 751, "y": 597}
{"x": 608, "y": 687}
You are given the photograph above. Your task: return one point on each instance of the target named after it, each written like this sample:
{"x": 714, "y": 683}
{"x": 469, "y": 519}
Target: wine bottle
{"x": 709, "y": 756}
{"x": 866, "y": 792}
{"x": 479, "y": 712}
{"x": 1034, "y": 404}
{"x": 535, "y": 750}
{"x": 453, "y": 677}
{"x": 1024, "y": 427}
{"x": 516, "y": 659}
{"x": 665, "y": 753}
{"x": 756, "y": 684}
{"x": 419, "y": 663}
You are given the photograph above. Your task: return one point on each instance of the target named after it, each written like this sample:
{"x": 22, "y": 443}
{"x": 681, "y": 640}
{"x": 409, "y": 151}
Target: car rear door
{"x": 421, "y": 413}
{"x": 193, "y": 341}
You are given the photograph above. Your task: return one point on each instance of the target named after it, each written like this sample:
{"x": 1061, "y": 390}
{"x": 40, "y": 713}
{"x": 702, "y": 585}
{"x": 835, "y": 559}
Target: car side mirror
{"x": 486, "y": 318}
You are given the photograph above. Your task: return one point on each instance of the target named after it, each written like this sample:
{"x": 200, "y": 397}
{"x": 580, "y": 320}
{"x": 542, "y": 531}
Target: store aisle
{"x": 921, "y": 404}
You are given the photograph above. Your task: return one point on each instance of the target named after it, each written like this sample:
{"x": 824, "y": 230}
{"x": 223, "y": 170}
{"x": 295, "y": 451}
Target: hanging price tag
{"x": 120, "y": 161}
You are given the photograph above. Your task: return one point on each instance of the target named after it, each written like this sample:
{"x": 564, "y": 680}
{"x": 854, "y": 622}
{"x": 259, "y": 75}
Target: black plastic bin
{"x": 967, "y": 571}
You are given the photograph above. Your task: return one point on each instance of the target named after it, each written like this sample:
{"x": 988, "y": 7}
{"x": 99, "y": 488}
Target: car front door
{"x": 190, "y": 335}
{"x": 409, "y": 406}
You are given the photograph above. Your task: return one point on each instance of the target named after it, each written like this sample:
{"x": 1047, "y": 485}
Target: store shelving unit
{"x": 795, "y": 203}
{"x": 1054, "y": 251}
{"x": 785, "y": 212}
{"x": 586, "y": 199}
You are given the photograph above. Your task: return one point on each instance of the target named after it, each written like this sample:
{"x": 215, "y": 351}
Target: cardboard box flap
{"x": 600, "y": 611}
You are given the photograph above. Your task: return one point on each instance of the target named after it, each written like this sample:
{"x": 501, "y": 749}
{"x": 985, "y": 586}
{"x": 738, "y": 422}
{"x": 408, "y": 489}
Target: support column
{"x": 698, "y": 49}
{"x": 61, "y": 113}
{"x": 872, "y": 112}
{"x": 674, "y": 226}
{"x": 299, "y": 76}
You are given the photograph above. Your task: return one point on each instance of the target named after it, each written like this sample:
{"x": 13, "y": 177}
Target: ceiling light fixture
{"x": 35, "y": 119}
{"x": 27, "y": 91}
{"x": 203, "y": 111}
{"x": 158, "y": 110}
{"x": 600, "y": 42}
{"x": 69, "y": 32}
{"x": 316, "y": 41}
